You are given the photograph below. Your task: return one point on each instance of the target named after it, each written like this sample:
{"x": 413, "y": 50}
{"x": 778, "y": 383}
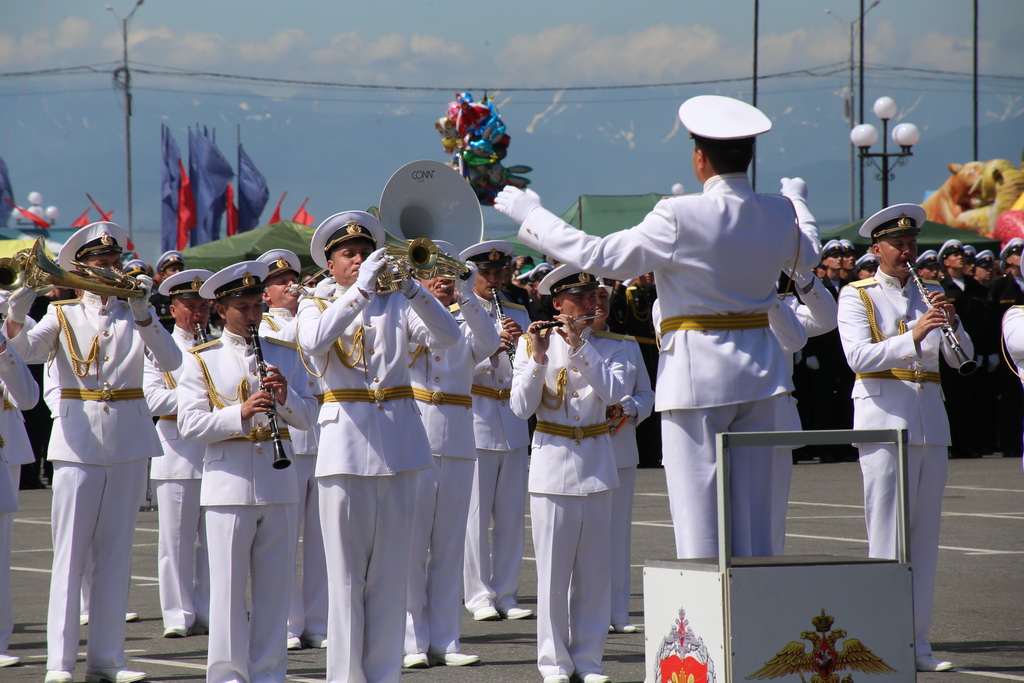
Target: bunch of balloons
{"x": 474, "y": 137}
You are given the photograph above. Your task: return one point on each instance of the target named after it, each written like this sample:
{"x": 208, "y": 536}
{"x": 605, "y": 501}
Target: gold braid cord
{"x": 216, "y": 398}
{"x": 270, "y": 321}
{"x": 631, "y": 301}
{"x": 558, "y": 394}
{"x": 78, "y": 364}
{"x": 349, "y": 358}
{"x": 169, "y": 379}
{"x": 420, "y": 350}
{"x": 869, "y": 307}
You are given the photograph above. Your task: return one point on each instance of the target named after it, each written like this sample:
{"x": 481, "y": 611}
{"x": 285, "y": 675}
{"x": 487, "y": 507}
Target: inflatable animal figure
{"x": 954, "y": 197}
{"x": 999, "y": 186}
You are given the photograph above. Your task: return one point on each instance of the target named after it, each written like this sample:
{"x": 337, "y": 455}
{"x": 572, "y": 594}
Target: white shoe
{"x": 314, "y": 640}
{"x": 515, "y": 613}
{"x": 8, "y": 660}
{"x": 131, "y": 616}
{"x": 294, "y": 643}
{"x": 622, "y": 628}
{"x": 929, "y": 663}
{"x": 453, "y": 659}
{"x": 417, "y": 660}
{"x": 54, "y": 676}
{"x": 594, "y": 678}
{"x": 556, "y": 678}
{"x": 113, "y": 676}
{"x": 175, "y": 632}
{"x": 486, "y": 614}
{"x": 83, "y": 620}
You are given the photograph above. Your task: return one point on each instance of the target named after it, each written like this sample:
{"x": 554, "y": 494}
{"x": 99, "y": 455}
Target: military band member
{"x": 634, "y": 407}
{"x": 20, "y": 392}
{"x": 892, "y": 341}
{"x": 569, "y": 378}
{"x": 169, "y": 263}
{"x": 307, "y": 617}
{"x": 248, "y": 505}
{"x": 182, "y": 562}
{"x": 1013, "y": 333}
{"x": 100, "y": 444}
{"x": 866, "y": 266}
{"x": 372, "y": 441}
{"x": 716, "y": 257}
{"x": 1007, "y": 291}
{"x": 849, "y": 258}
{"x": 494, "y": 555}
{"x": 441, "y": 382}
{"x": 927, "y": 264}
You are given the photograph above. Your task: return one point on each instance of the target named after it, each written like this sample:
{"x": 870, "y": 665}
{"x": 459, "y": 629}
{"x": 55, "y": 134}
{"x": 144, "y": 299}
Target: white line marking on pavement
{"x": 202, "y": 667}
{"x": 863, "y": 541}
{"x": 984, "y": 488}
{"x": 46, "y": 522}
{"x": 990, "y": 674}
{"x": 36, "y": 570}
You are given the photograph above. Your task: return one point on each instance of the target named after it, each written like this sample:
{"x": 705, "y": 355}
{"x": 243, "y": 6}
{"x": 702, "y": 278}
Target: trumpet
{"x": 33, "y": 268}
{"x": 419, "y": 258}
{"x": 965, "y": 364}
{"x": 281, "y": 460}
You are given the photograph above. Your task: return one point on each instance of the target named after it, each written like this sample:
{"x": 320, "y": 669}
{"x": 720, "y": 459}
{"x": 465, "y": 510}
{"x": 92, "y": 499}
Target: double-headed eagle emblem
{"x": 824, "y": 660}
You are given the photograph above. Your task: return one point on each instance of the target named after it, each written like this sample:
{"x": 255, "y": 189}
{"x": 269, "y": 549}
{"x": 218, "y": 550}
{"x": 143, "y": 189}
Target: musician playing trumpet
{"x": 892, "y": 339}
{"x": 248, "y": 506}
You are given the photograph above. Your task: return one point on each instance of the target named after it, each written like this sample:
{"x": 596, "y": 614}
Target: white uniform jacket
{"x": 440, "y": 373}
{"x": 181, "y": 458}
{"x": 573, "y": 390}
{"x": 20, "y": 392}
{"x": 1013, "y": 333}
{"x": 895, "y": 403}
{"x": 279, "y": 323}
{"x": 371, "y": 437}
{"x": 716, "y": 253}
{"x": 237, "y": 471}
{"x": 637, "y": 382}
{"x": 99, "y": 432}
{"x": 495, "y": 426}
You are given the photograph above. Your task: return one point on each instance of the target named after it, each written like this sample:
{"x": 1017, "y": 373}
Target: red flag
{"x": 186, "y": 208}
{"x": 40, "y": 222}
{"x": 232, "y": 211}
{"x": 302, "y": 216}
{"x": 104, "y": 216}
{"x": 82, "y": 220}
{"x": 276, "y": 218}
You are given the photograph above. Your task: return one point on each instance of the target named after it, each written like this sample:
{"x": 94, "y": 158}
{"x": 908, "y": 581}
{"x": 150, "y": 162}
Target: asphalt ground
{"x": 979, "y": 609}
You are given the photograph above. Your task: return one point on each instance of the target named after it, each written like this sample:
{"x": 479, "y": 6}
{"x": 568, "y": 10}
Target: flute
{"x": 281, "y": 460}
{"x": 966, "y": 364}
{"x": 547, "y": 326}
{"x": 510, "y": 347}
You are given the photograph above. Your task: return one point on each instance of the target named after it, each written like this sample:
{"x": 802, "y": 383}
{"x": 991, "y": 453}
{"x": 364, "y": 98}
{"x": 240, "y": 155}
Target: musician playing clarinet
{"x": 892, "y": 339}
{"x": 248, "y": 505}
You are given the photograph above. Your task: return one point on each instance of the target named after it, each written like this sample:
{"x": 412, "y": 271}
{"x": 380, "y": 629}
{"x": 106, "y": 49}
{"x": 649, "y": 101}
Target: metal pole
{"x": 860, "y": 97}
{"x": 849, "y": 110}
{"x": 975, "y": 49}
{"x": 753, "y": 163}
{"x": 885, "y": 163}
{"x": 123, "y": 77}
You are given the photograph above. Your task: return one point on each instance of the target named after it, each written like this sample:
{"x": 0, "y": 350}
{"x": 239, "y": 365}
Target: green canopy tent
{"x": 249, "y": 245}
{"x": 933, "y": 235}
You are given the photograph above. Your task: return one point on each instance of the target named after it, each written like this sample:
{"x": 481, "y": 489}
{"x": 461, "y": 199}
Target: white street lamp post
{"x": 906, "y": 135}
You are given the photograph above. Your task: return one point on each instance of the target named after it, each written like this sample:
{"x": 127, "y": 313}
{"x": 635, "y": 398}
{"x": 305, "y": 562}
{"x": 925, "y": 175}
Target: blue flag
{"x": 6, "y": 195}
{"x": 252, "y": 192}
{"x": 169, "y": 191}
{"x": 210, "y": 173}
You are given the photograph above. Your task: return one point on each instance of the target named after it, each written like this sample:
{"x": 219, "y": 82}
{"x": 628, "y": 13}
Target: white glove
{"x": 516, "y": 204}
{"x": 803, "y": 280}
{"x": 325, "y": 287}
{"x": 628, "y": 406}
{"x": 140, "y": 305}
{"x": 813, "y": 363}
{"x": 464, "y": 288}
{"x": 20, "y": 303}
{"x": 366, "y": 281}
{"x": 794, "y": 188}
{"x": 409, "y": 286}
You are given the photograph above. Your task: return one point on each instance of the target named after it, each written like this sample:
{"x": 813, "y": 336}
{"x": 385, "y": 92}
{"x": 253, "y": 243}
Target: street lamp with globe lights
{"x": 35, "y": 207}
{"x": 863, "y": 136}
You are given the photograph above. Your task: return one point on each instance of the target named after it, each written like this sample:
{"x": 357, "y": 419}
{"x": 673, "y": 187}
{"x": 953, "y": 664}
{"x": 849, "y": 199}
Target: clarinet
{"x": 281, "y": 460}
{"x": 967, "y": 365}
{"x": 510, "y": 348}
{"x": 200, "y": 334}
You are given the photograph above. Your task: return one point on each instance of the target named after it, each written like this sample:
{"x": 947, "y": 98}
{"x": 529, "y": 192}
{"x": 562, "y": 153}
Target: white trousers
{"x": 248, "y": 543}
{"x": 493, "y": 557}
{"x": 433, "y": 619}
{"x": 572, "y": 544}
{"x": 782, "y": 479}
{"x": 621, "y": 542}
{"x": 688, "y": 444}
{"x": 926, "y": 479}
{"x": 6, "y": 598}
{"x": 365, "y": 523}
{"x": 95, "y": 508}
{"x": 182, "y": 564}
{"x": 308, "y": 612}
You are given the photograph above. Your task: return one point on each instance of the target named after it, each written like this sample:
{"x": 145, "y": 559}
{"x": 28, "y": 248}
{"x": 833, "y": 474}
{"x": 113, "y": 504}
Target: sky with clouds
{"x": 328, "y": 96}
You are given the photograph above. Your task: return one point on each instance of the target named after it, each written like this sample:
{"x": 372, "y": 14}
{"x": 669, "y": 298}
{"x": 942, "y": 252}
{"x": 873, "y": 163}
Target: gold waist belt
{"x": 487, "y": 392}
{"x": 365, "y": 395}
{"x": 752, "y": 321}
{"x": 905, "y": 375}
{"x": 568, "y": 432}
{"x": 439, "y": 398}
{"x": 7, "y": 406}
{"x": 262, "y": 434}
{"x": 168, "y": 417}
{"x": 104, "y": 395}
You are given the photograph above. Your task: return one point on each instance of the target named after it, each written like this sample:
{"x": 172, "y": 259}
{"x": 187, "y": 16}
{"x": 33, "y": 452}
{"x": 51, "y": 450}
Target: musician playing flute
{"x": 892, "y": 341}
{"x": 372, "y": 441}
{"x": 177, "y": 474}
{"x": 248, "y": 505}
